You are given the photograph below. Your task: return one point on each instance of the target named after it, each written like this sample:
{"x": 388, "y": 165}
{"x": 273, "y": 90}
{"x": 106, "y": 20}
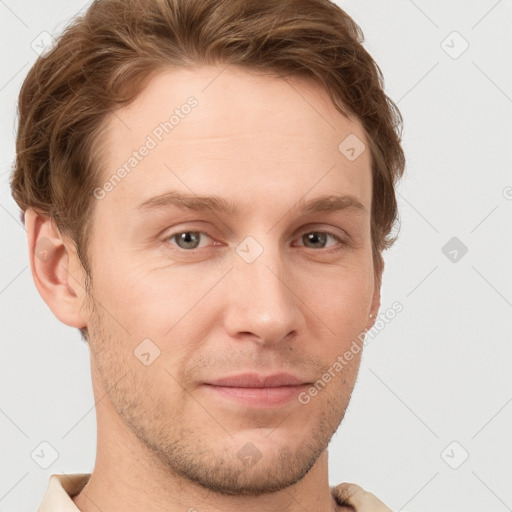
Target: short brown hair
{"x": 105, "y": 57}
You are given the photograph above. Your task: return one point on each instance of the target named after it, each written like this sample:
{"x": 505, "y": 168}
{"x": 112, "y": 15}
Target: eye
{"x": 317, "y": 240}
{"x": 190, "y": 240}
{"x": 187, "y": 239}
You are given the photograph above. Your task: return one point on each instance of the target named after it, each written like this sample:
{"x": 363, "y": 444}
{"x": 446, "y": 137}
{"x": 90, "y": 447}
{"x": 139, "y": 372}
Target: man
{"x": 207, "y": 188}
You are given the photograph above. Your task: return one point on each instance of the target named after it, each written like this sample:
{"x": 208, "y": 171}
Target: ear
{"x": 52, "y": 262}
{"x": 375, "y": 306}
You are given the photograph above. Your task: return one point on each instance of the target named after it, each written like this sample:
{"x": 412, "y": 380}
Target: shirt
{"x": 61, "y": 488}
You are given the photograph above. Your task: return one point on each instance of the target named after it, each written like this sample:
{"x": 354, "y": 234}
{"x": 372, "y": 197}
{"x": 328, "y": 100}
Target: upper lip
{"x": 255, "y": 380}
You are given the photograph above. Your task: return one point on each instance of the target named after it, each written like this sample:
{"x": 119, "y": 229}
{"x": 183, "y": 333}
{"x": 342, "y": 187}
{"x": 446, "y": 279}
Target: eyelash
{"x": 342, "y": 243}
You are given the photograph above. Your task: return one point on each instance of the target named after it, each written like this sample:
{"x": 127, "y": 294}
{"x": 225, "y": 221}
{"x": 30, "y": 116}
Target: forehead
{"x": 225, "y": 129}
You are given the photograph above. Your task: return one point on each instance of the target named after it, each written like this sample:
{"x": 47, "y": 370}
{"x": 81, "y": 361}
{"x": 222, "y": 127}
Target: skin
{"x": 262, "y": 143}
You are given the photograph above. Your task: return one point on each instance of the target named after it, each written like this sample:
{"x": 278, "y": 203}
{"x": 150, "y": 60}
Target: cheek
{"x": 132, "y": 294}
{"x": 138, "y": 368}
{"x": 341, "y": 298}
{"x": 156, "y": 312}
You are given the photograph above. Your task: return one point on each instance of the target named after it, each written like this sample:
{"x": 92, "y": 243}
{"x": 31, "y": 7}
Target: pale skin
{"x": 166, "y": 440}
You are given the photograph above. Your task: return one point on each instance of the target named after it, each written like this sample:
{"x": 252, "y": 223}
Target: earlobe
{"x": 51, "y": 267}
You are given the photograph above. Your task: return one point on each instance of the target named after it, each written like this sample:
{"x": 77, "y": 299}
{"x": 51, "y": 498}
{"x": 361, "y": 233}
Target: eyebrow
{"x": 325, "y": 203}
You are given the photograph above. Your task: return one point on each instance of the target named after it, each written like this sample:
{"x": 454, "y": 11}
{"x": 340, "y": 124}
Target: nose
{"x": 262, "y": 302}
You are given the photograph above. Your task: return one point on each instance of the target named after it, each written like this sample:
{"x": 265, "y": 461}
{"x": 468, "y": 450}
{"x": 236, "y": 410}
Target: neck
{"x": 119, "y": 486}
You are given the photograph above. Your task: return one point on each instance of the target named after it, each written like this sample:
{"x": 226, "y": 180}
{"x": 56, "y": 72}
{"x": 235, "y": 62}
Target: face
{"x": 218, "y": 316}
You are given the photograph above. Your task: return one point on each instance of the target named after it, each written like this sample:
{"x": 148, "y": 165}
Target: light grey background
{"x": 438, "y": 373}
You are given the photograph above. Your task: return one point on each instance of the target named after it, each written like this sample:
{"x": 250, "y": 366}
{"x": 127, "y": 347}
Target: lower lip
{"x": 262, "y": 397}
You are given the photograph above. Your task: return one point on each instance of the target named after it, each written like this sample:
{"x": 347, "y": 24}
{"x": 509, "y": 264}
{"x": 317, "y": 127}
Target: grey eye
{"x": 187, "y": 239}
{"x": 315, "y": 237}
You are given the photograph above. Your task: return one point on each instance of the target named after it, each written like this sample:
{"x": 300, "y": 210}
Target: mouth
{"x": 256, "y": 390}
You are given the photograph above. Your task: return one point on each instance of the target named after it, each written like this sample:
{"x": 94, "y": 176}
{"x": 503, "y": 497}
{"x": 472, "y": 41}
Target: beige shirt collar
{"x": 61, "y": 488}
